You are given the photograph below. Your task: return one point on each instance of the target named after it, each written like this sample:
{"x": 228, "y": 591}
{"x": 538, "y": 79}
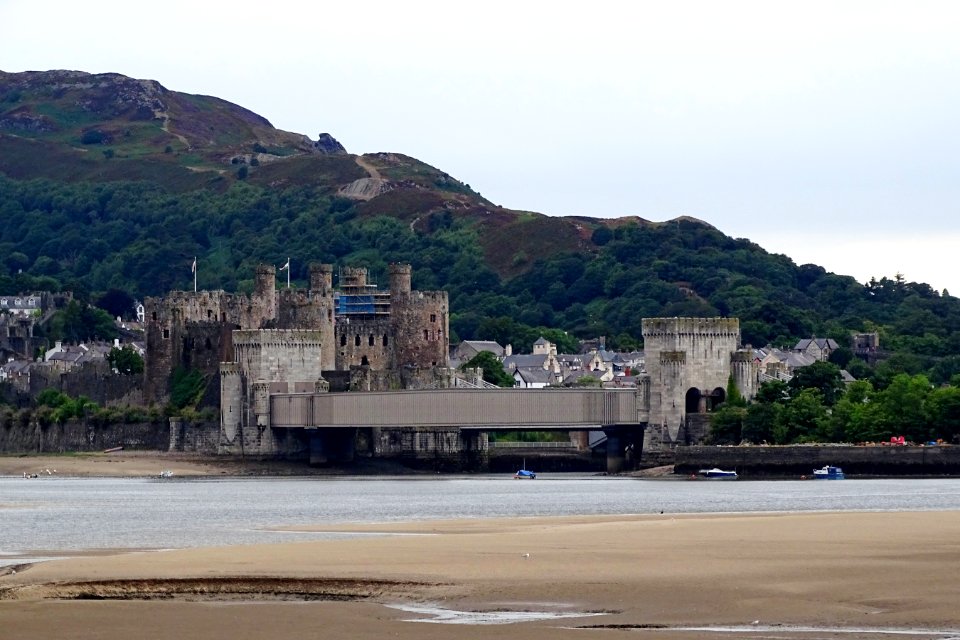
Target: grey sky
{"x": 824, "y": 130}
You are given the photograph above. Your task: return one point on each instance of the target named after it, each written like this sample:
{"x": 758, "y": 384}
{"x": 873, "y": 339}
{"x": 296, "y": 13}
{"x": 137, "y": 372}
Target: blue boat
{"x": 523, "y": 474}
{"x": 828, "y": 473}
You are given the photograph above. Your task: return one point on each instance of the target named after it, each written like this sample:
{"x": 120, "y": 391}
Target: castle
{"x": 690, "y": 361}
{"x": 395, "y": 333}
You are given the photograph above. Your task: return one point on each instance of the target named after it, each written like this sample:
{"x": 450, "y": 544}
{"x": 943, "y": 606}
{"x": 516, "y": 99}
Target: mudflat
{"x": 616, "y": 576}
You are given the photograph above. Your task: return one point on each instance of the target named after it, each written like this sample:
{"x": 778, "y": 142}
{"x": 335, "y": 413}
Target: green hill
{"x": 108, "y": 182}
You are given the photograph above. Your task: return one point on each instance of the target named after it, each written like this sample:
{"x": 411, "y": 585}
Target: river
{"x": 54, "y": 517}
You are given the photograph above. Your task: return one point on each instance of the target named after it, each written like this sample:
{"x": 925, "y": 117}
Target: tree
{"x": 726, "y": 424}
{"x": 126, "y": 360}
{"x": 943, "y": 412}
{"x": 760, "y": 421}
{"x": 493, "y": 371}
{"x": 80, "y": 322}
{"x": 823, "y": 376}
{"x": 801, "y": 419}
{"x": 773, "y": 391}
{"x": 116, "y": 302}
{"x": 734, "y": 397}
{"x": 841, "y": 356}
{"x": 900, "y": 407}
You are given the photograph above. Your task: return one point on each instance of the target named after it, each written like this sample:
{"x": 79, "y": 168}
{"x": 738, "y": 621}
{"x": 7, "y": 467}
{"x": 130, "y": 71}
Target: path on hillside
{"x": 369, "y": 168}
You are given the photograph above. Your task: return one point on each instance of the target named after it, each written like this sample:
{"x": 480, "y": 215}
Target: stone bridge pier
{"x": 624, "y": 446}
{"x": 331, "y": 446}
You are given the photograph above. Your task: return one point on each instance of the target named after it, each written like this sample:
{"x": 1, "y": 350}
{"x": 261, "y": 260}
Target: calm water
{"x": 55, "y": 516}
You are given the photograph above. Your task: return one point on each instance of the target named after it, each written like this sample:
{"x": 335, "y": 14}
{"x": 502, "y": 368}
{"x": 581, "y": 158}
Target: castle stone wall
{"x": 685, "y": 354}
{"x": 421, "y": 324}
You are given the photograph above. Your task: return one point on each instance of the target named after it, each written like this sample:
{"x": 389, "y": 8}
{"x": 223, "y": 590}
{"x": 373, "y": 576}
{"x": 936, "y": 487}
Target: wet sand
{"x": 648, "y": 575}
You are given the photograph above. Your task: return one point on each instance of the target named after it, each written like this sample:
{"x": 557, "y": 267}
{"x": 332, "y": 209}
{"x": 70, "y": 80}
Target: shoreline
{"x": 650, "y": 574}
{"x": 149, "y": 464}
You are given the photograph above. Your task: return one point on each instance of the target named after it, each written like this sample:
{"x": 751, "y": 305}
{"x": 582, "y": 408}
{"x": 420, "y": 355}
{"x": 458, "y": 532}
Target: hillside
{"x": 107, "y": 182}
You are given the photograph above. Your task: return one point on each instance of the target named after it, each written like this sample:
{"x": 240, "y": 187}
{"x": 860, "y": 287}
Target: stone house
{"x": 816, "y": 348}
{"x": 469, "y": 349}
{"x": 17, "y": 373}
{"x": 533, "y": 378}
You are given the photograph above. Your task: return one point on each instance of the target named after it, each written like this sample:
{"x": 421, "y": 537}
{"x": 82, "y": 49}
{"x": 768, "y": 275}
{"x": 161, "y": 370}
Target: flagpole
{"x": 288, "y": 273}
{"x": 194, "y": 274}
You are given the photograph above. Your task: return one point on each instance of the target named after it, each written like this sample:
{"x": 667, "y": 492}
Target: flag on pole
{"x": 193, "y": 267}
{"x": 286, "y": 266}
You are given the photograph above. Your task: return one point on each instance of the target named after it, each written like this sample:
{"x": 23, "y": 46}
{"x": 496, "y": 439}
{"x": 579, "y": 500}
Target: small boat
{"x": 523, "y": 474}
{"x": 828, "y": 473}
{"x": 718, "y": 474}
{"x": 166, "y": 473}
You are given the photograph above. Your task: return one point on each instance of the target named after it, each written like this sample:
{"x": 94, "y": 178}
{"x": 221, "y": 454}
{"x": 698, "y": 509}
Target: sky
{"x": 826, "y": 131}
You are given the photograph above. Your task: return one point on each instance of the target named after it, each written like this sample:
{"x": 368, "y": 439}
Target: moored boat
{"x": 523, "y": 474}
{"x": 718, "y": 474}
{"x": 828, "y": 473}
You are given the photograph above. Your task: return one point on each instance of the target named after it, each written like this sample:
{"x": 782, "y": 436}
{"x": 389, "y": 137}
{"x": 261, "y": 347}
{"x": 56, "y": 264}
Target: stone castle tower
{"x": 690, "y": 361}
{"x": 393, "y": 329}
{"x": 358, "y": 325}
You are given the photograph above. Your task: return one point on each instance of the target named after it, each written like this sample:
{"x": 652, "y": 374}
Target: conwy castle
{"x": 271, "y": 359}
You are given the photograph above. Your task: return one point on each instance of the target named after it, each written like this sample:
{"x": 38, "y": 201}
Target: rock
{"x": 326, "y": 143}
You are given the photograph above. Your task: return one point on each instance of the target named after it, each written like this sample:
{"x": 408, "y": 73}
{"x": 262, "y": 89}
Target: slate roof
{"x": 535, "y": 375}
{"x": 484, "y": 345}
{"x": 822, "y": 343}
{"x": 524, "y": 361}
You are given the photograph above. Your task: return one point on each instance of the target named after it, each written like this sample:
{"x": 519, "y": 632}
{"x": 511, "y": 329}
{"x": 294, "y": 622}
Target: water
{"x": 56, "y": 516}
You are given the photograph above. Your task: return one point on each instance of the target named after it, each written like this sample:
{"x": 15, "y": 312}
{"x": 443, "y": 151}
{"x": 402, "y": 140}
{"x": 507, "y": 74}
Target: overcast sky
{"x": 828, "y": 131}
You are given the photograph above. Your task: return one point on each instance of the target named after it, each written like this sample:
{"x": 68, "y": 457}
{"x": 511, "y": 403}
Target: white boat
{"x": 166, "y": 473}
{"x": 718, "y": 474}
{"x": 828, "y": 473}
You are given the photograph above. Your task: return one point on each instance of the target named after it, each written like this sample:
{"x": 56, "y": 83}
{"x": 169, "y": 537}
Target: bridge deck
{"x": 530, "y": 409}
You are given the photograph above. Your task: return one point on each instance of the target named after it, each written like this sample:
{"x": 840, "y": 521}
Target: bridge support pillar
{"x": 332, "y": 446}
{"x": 624, "y": 446}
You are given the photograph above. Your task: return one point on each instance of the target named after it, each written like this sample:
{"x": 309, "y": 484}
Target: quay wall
{"x": 82, "y": 436}
{"x": 874, "y": 460}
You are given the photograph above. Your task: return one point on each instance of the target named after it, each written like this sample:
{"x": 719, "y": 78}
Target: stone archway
{"x": 717, "y": 397}
{"x": 692, "y": 400}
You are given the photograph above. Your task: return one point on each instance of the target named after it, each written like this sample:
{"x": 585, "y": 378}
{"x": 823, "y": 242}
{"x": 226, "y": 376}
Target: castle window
{"x": 223, "y": 316}
{"x": 166, "y": 333}
{"x": 384, "y": 339}
{"x": 207, "y": 344}
{"x": 356, "y": 341}
{"x": 370, "y": 340}
{"x": 433, "y": 317}
{"x": 364, "y": 362}
{"x": 426, "y": 334}
{"x": 343, "y": 340}
{"x": 154, "y": 314}
{"x": 209, "y": 314}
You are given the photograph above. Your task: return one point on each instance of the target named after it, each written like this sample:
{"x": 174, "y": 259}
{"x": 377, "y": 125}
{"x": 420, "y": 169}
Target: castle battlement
{"x": 691, "y": 326}
{"x": 266, "y": 338}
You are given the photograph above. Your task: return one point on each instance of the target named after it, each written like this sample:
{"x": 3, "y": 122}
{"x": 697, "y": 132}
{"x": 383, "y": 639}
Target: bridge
{"x": 620, "y": 413}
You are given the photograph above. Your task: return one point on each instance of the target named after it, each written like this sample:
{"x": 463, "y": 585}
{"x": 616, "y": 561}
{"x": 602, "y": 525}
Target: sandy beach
{"x": 649, "y": 575}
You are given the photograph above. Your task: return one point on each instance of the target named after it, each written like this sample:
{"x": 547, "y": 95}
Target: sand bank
{"x": 648, "y": 575}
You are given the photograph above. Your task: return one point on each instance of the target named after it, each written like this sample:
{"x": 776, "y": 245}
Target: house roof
{"x": 16, "y": 367}
{"x": 541, "y": 340}
{"x": 19, "y": 303}
{"x": 483, "y": 345}
{"x": 822, "y": 343}
{"x": 524, "y": 361}
{"x": 534, "y": 375}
